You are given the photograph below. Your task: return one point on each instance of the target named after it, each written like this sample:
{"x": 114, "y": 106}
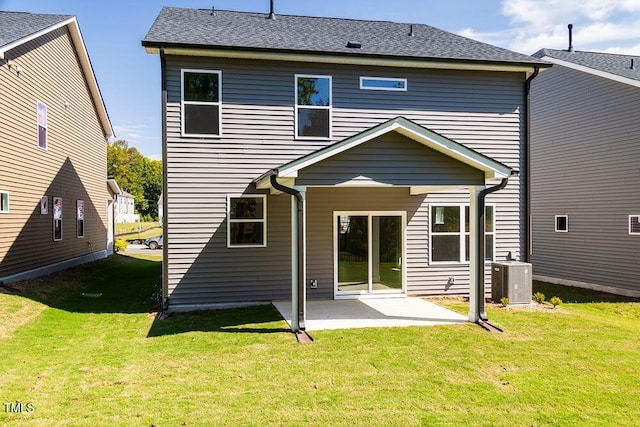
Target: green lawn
{"x": 137, "y": 230}
{"x": 82, "y": 349}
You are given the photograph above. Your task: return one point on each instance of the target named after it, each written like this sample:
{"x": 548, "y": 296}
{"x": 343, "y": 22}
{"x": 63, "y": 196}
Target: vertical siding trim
{"x": 165, "y": 197}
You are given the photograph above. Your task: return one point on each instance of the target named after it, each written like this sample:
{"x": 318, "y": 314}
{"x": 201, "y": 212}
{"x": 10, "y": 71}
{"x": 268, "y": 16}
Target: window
{"x": 562, "y": 223}
{"x": 313, "y": 106}
{"x": 42, "y": 125}
{"x": 4, "y": 202}
{"x": 634, "y": 224}
{"x": 57, "y": 219}
{"x": 247, "y": 221}
{"x": 383, "y": 83}
{"x": 201, "y": 102}
{"x": 449, "y": 233}
{"x": 80, "y": 218}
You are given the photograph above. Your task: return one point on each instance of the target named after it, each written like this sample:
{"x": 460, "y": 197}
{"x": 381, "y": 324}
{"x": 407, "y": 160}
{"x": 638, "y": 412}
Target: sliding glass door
{"x": 369, "y": 253}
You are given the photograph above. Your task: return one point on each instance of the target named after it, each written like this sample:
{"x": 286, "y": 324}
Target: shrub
{"x": 504, "y": 301}
{"x": 539, "y": 297}
{"x": 555, "y": 301}
{"x": 120, "y": 245}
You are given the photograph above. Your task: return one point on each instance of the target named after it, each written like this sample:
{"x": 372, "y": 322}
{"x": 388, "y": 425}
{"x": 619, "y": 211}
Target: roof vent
{"x": 633, "y": 65}
{"x": 570, "y": 26}
{"x": 354, "y": 45}
{"x": 213, "y": 11}
{"x": 411, "y": 33}
{"x": 272, "y": 14}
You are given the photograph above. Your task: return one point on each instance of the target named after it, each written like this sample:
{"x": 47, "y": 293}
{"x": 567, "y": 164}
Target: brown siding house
{"x": 53, "y": 130}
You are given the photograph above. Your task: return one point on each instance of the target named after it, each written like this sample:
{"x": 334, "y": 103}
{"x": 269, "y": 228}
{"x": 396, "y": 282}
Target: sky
{"x": 129, "y": 78}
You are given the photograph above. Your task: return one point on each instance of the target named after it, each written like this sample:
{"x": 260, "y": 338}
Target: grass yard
{"x": 81, "y": 348}
{"x": 137, "y": 230}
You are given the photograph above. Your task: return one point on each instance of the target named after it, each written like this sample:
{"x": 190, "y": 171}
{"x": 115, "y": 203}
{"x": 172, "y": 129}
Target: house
{"x": 332, "y": 158}
{"x": 585, "y": 154}
{"x": 53, "y": 131}
{"x": 125, "y": 208}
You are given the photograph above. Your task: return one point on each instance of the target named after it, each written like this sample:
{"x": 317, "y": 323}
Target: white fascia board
{"x": 343, "y": 59}
{"x": 604, "y": 74}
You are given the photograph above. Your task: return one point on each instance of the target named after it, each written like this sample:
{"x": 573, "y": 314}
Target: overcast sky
{"x": 129, "y": 78}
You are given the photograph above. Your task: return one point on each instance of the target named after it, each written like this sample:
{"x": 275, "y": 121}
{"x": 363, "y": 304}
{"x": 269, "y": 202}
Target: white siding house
{"x": 124, "y": 208}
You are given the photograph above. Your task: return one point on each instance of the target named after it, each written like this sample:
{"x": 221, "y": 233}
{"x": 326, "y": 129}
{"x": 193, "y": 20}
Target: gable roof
{"x": 227, "y": 30}
{"x": 17, "y": 28}
{"x": 491, "y": 168}
{"x": 608, "y": 65}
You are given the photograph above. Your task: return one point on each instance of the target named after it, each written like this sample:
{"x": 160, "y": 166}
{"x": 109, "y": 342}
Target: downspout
{"x": 165, "y": 196}
{"x": 300, "y": 242}
{"x": 527, "y": 161}
{"x": 480, "y": 246}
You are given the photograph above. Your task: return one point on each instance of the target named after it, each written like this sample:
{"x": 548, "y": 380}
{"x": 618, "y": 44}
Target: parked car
{"x": 154, "y": 242}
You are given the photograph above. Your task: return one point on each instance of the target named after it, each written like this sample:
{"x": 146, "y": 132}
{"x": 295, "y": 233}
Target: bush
{"x": 555, "y": 301}
{"x": 504, "y": 301}
{"x": 120, "y": 245}
{"x": 539, "y": 297}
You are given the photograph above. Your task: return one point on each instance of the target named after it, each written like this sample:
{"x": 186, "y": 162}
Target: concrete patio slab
{"x": 371, "y": 313}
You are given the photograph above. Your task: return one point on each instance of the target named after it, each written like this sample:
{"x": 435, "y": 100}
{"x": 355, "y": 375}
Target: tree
{"x": 136, "y": 174}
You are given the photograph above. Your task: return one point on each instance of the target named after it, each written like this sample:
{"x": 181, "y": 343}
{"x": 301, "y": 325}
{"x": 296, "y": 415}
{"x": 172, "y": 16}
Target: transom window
{"x": 247, "y": 221}
{"x": 4, "y": 201}
{"x": 201, "y": 102}
{"x": 562, "y": 223}
{"x": 449, "y": 233}
{"x": 634, "y": 224}
{"x": 383, "y": 83}
{"x": 42, "y": 125}
{"x": 313, "y": 106}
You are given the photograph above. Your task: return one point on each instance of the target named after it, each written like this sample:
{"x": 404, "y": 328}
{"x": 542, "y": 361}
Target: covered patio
{"x": 398, "y": 153}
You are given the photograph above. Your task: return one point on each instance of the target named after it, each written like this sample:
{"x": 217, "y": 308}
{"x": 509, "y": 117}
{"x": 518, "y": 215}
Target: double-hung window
{"x": 80, "y": 218}
{"x": 42, "y": 125}
{"x": 201, "y": 102}
{"x": 313, "y": 106}
{"x": 247, "y": 221}
{"x": 449, "y": 234}
{"x": 4, "y": 201}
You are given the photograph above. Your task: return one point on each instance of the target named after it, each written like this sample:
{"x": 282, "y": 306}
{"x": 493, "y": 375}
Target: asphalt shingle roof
{"x": 619, "y": 65}
{"x": 286, "y": 33}
{"x": 17, "y": 25}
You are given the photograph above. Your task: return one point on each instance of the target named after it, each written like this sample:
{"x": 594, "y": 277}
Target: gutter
{"x": 481, "y": 247}
{"x": 298, "y": 300}
{"x": 165, "y": 195}
{"x": 528, "y": 250}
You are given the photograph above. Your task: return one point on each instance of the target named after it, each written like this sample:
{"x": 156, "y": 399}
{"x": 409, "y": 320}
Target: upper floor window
{"x": 42, "y": 125}
{"x": 313, "y": 106}
{"x": 562, "y": 223}
{"x": 383, "y": 83}
{"x": 4, "y": 201}
{"x": 634, "y": 224}
{"x": 450, "y": 236}
{"x": 201, "y": 102}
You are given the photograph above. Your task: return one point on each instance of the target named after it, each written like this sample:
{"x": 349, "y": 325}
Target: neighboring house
{"x": 53, "y": 132}
{"x": 333, "y": 158}
{"x": 585, "y": 154}
{"x": 125, "y": 208}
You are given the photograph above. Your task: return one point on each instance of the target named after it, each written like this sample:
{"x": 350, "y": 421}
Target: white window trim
{"x": 263, "y": 220}
{"x": 46, "y": 127}
{"x": 462, "y": 234}
{"x": 78, "y": 220}
{"x": 630, "y": 232}
{"x": 385, "y": 79}
{"x": 555, "y": 223}
{"x": 183, "y": 103}
{"x": 8, "y": 210}
{"x": 297, "y": 107}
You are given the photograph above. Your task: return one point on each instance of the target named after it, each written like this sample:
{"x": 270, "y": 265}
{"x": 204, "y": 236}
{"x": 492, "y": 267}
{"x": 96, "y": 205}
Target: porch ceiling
{"x": 453, "y": 152}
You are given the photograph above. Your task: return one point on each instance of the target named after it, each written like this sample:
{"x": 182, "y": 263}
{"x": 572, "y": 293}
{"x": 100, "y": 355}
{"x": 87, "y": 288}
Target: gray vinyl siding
{"x": 73, "y": 166}
{"x": 585, "y": 157}
{"x": 479, "y": 109}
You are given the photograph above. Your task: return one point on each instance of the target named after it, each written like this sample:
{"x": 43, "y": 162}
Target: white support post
{"x": 295, "y": 327}
{"x": 303, "y": 195}
{"x": 474, "y": 316}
